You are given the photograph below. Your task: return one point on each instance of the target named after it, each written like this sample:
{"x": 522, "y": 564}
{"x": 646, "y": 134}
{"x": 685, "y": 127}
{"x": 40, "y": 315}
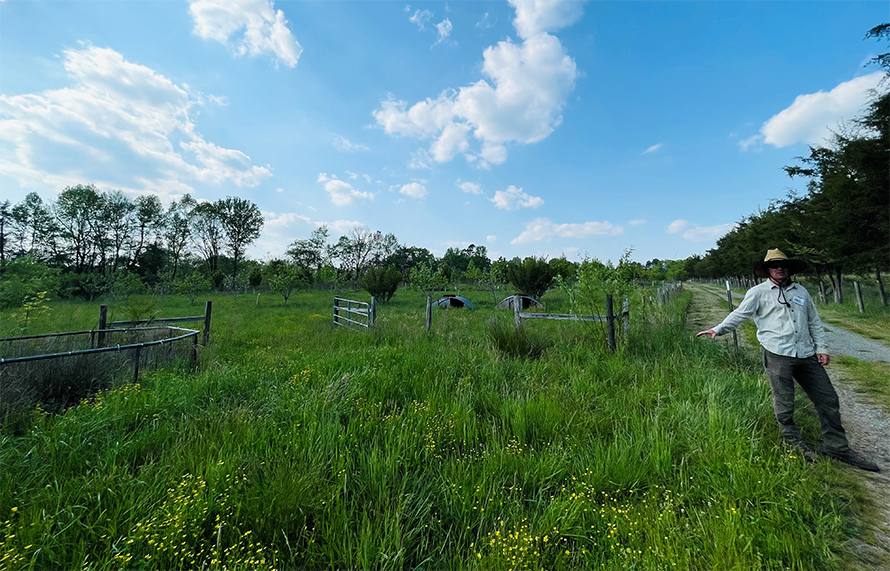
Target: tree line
{"x": 89, "y": 243}
{"x": 841, "y": 226}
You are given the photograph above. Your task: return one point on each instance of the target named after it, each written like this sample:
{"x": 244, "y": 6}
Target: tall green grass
{"x": 301, "y": 445}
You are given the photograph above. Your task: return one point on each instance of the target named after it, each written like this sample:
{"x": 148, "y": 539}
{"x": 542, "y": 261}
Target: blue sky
{"x": 531, "y": 127}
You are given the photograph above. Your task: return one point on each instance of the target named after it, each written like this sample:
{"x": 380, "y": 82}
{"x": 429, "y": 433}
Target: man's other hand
{"x": 823, "y": 359}
{"x": 713, "y": 334}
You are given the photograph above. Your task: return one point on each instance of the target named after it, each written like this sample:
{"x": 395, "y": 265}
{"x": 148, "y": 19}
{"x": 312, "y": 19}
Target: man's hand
{"x": 713, "y": 334}
{"x": 823, "y": 359}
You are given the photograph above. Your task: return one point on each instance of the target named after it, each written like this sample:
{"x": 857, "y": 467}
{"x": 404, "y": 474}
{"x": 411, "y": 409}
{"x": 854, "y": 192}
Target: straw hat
{"x": 761, "y": 269}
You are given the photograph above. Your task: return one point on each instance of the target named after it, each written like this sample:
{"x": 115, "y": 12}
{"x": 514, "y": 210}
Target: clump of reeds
{"x": 516, "y": 342}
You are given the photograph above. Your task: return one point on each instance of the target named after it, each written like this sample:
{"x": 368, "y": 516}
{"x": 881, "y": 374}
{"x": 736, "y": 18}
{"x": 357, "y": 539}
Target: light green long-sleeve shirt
{"x": 792, "y": 330}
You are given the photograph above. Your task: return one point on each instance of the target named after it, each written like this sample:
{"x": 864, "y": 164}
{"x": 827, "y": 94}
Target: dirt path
{"x": 867, "y": 425}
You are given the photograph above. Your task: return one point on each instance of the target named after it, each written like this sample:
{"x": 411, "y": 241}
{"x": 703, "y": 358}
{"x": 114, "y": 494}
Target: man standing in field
{"x": 792, "y": 342}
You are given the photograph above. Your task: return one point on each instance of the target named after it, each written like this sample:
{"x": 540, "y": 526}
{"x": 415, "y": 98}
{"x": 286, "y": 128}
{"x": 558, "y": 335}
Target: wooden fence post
{"x": 429, "y": 312}
{"x": 610, "y": 323}
{"x": 207, "y": 308}
{"x": 373, "y": 315}
{"x": 195, "y": 348}
{"x": 138, "y": 354}
{"x": 517, "y": 310}
{"x": 336, "y": 306}
{"x": 103, "y": 320}
{"x": 859, "y": 301}
{"x": 735, "y": 337}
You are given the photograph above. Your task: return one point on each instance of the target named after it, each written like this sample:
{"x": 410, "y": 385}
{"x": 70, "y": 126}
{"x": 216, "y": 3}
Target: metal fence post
{"x": 517, "y": 310}
{"x": 336, "y": 305}
{"x": 207, "y": 308}
{"x": 610, "y": 323}
{"x": 625, "y": 315}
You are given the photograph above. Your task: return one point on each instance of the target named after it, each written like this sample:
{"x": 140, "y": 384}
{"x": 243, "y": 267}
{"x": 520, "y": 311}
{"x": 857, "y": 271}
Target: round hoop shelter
{"x": 527, "y": 301}
{"x": 450, "y": 300}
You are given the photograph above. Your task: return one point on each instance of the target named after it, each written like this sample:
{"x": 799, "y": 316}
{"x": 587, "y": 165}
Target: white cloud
{"x": 543, "y": 229}
{"x": 677, "y": 226}
{"x": 420, "y": 18}
{"x": 637, "y": 222}
{"x": 519, "y": 99}
{"x": 514, "y": 198}
{"x": 443, "y": 29}
{"x": 653, "y": 149}
{"x": 275, "y": 222}
{"x": 117, "y": 120}
{"x": 469, "y": 187}
{"x": 707, "y": 233}
{"x": 420, "y": 159}
{"x": 341, "y": 227}
{"x": 487, "y": 21}
{"x": 811, "y": 117}
{"x": 414, "y": 190}
{"x": 342, "y": 193}
{"x": 491, "y": 238}
{"x": 540, "y": 16}
{"x": 345, "y": 145}
{"x": 247, "y": 27}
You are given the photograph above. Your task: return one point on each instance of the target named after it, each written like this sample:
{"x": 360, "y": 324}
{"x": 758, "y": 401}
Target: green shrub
{"x": 518, "y": 342}
{"x": 532, "y": 276}
{"x": 382, "y": 282}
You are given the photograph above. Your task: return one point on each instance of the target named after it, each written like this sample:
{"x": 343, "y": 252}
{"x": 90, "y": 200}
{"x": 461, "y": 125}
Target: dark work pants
{"x": 812, "y": 378}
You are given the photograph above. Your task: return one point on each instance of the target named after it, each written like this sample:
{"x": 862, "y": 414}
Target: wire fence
{"x": 58, "y": 370}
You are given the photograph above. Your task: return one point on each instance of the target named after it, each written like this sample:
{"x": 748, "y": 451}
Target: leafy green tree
{"x": 193, "y": 286}
{"x": 531, "y": 276}
{"x": 177, "y": 232}
{"x": 207, "y": 233}
{"x": 424, "y": 280}
{"x": 242, "y": 223}
{"x": 382, "y": 283}
{"x": 284, "y": 277}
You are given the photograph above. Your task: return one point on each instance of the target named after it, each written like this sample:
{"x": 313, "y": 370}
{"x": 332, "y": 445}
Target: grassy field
{"x": 300, "y": 445}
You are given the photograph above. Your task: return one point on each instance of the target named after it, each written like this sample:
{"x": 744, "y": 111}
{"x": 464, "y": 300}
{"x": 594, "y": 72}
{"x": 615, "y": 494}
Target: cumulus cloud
{"x": 707, "y": 233}
{"x": 414, "y": 190}
{"x": 117, "y": 121}
{"x": 514, "y": 198}
{"x": 491, "y": 238}
{"x": 469, "y": 187}
{"x": 246, "y": 27}
{"x": 637, "y": 222}
{"x": 519, "y": 99}
{"x": 543, "y": 229}
{"x": 811, "y": 117}
{"x": 677, "y": 226}
{"x": 342, "y": 193}
{"x": 346, "y": 146}
{"x": 275, "y": 222}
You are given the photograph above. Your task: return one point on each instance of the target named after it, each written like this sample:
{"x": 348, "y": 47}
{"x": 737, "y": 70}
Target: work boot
{"x": 802, "y": 450}
{"x": 853, "y": 459}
